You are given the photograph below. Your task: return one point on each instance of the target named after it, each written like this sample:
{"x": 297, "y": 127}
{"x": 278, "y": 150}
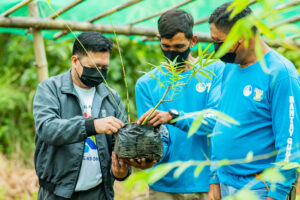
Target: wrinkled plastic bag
{"x": 140, "y": 141}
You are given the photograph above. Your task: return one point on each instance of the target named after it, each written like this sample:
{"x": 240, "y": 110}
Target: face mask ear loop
{"x": 236, "y": 48}
{"x": 76, "y": 69}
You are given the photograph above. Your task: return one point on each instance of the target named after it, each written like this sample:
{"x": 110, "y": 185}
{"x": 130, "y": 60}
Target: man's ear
{"x": 241, "y": 40}
{"x": 194, "y": 40}
{"x": 74, "y": 59}
{"x": 158, "y": 37}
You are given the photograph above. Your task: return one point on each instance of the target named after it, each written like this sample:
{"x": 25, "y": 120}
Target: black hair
{"x": 175, "y": 21}
{"x": 92, "y": 41}
{"x": 220, "y": 17}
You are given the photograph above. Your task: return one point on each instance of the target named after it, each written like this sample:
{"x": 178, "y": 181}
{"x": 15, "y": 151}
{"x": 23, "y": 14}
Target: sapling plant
{"x": 177, "y": 80}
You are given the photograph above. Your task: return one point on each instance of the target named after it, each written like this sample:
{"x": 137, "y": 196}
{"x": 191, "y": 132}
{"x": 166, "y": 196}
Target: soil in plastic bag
{"x": 139, "y": 141}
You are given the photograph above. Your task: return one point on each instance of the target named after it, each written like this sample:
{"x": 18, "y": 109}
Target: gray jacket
{"x": 61, "y": 130}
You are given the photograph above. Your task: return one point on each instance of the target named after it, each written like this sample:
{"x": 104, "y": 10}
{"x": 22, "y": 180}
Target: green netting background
{"x": 90, "y": 8}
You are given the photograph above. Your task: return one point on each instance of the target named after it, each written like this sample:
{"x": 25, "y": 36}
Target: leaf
{"x": 137, "y": 177}
{"x": 161, "y": 170}
{"x": 214, "y": 60}
{"x": 195, "y": 125}
{"x": 287, "y": 29}
{"x": 263, "y": 28}
{"x": 241, "y": 28}
{"x": 272, "y": 175}
{"x": 208, "y": 59}
{"x": 241, "y": 194}
{"x": 200, "y": 54}
{"x": 154, "y": 77}
{"x": 205, "y": 75}
{"x": 229, "y": 198}
{"x": 221, "y": 116}
{"x": 249, "y": 157}
{"x": 204, "y": 51}
{"x": 288, "y": 165}
{"x": 260, "y": 55}
{"x": 198, "y": 170}
{"x": 222, "y": 162}
{"x": 182, "y": 168}
{"x": 208, "y": 71}
{"x": 237, "y": 6}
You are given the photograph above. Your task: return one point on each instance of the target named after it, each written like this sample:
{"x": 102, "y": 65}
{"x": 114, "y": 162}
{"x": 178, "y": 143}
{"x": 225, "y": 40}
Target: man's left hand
{"x": 119, "y": 167}
{"x": 270, "y": 198}
{"x": 158, "y": 117}
{"x": 140, "y": 163}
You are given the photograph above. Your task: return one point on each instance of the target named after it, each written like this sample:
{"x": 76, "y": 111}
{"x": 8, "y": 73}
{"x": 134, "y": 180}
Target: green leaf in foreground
{"x": 272, "y": 175}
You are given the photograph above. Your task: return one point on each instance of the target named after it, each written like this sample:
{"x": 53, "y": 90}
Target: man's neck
{"x": 251, "y": 56}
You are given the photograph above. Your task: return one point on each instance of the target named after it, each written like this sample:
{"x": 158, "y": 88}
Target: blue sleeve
{"x": 143, "y": 104}
{"x": 285, "y": 111}
{"x": 211, "y": 103}
{"x": 213, "y": 177}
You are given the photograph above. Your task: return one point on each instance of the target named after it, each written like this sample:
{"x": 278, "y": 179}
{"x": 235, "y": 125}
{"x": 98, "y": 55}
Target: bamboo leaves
{"x": 196, "y": 124}
{"x": 199, "y": 119}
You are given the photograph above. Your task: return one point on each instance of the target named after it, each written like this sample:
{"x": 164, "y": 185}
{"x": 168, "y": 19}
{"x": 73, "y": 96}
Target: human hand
{"x": 140, "y": 163}
{"x": 118, "y": 167}
{"x": 158, "y": 117}
{"x": 108, "y": 125}
{"x": 214, "y": 192}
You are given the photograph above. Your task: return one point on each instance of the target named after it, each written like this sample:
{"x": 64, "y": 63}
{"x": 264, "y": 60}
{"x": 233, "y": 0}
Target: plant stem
{"x": 160, "y": 102}
{"x": 123, "y": 69}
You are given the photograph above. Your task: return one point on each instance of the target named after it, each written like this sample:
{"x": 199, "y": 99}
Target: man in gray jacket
{"x": 76, "y": 116}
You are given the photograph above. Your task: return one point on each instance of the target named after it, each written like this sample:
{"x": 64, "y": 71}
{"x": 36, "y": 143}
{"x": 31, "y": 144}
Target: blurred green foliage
{"x": 18, "y": 82}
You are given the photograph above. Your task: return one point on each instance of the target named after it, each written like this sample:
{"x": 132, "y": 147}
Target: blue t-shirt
{"x": 190, "y": 97}
{"x": 267, "y": 106}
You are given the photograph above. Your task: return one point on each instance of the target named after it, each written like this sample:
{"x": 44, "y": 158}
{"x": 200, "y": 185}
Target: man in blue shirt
{"x": 197, "y": 93}
{"x": 266, "y": 103}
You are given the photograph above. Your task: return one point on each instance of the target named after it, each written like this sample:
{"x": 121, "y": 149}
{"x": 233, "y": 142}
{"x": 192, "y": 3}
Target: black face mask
{"x": 228, "y": 57}
{"x": 181, "y": 56}
{"x": 91, "y": 77}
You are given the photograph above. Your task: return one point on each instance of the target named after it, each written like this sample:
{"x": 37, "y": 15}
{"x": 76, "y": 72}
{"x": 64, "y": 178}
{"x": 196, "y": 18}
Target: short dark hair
{"x": 92, "y": 41}
{"x": 220, "y": 17}
{"x": 174, "y": 21}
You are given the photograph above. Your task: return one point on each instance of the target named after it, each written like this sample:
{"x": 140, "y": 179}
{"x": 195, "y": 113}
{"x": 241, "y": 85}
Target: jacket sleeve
{"x": 211, "y": 103}
{"x": 50, "y": 127}
{"x": 143, "y": 104}
{"x": 285, "y": 111}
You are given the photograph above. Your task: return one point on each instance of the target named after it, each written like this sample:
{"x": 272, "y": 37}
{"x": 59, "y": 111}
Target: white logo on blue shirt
{"x": 247, "y": 90}
{"x": 201, "y": 87}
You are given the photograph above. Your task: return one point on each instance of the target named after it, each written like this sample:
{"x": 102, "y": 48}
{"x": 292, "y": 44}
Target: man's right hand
{"x": 108, "y": 125}
{"x": 214, "y": 192}
{"x": 158, "y": 117}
